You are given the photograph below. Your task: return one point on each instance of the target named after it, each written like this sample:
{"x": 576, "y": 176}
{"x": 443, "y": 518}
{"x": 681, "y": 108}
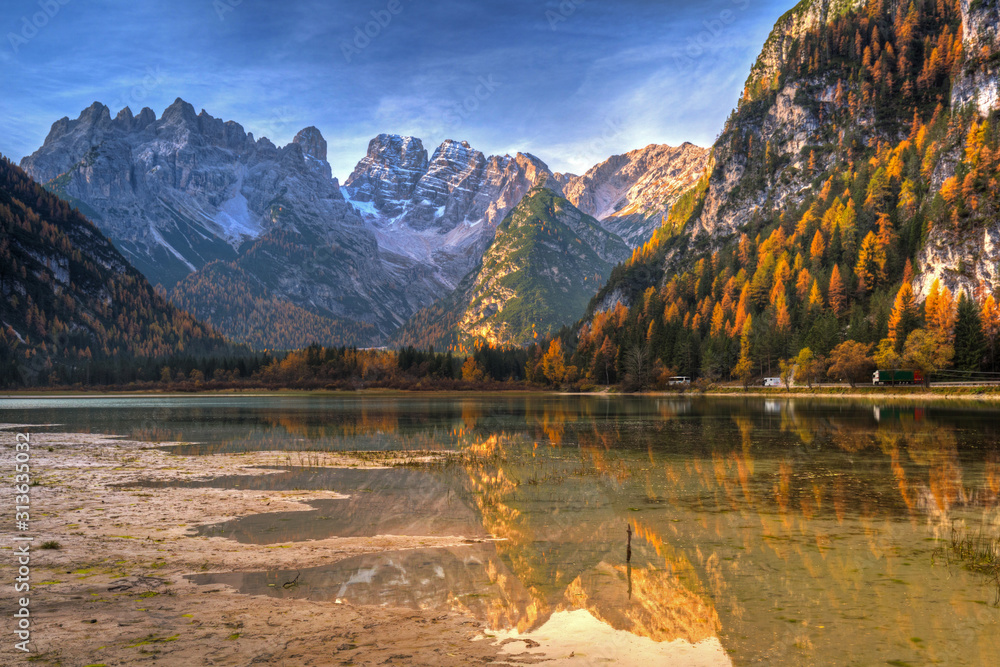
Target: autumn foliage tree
{"x": 837, "y": 292}
{"x": 807, "y": 366}
{"x": 852, "y": 361}
{"x": 554, "y": 362}
{"x": 744, "y": 366}
{"x": 940, "y": 312}
{"x": 924, "y": 351}
{"x": 903, "y": 318}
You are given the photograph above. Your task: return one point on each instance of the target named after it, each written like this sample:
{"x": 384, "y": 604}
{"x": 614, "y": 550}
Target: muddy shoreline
{"x": 115, "y": 592}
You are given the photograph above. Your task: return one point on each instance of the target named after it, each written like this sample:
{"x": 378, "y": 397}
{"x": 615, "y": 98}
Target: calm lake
{"x": 763, "y": 531}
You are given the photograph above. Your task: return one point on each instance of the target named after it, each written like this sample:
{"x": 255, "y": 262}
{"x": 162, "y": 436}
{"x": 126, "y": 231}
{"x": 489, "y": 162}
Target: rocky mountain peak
{"x": 145, "y": 118}
{"x": 312, "y": 142}
{"x": 632, "y": 192}
{"x": 455, "y": 151}
{"x": 388, "y": 174}
{"x": 313, "y": 146}
{"x": 536, "y": 171}
{"x": 68, "y": 141}
{"x": 180, "y": 112}
{"x": 788, "y": 30}
{"x": 390, "y": 148}
{"x": 96, "y": 113}
{"x": 125, "y": 117}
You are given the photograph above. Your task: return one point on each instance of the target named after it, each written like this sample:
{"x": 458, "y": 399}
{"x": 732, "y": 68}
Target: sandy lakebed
{"x": 116, "y": 591}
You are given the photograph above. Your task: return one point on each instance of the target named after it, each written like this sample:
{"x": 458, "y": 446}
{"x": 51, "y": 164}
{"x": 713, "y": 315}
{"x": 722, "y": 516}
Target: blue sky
{"x": 572, "y": 82}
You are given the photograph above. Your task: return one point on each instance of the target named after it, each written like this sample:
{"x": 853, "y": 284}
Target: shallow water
{"x": 763, "y": 531}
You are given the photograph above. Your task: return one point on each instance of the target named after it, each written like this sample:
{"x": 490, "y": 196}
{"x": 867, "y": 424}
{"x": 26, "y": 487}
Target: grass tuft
{"x": 977, "y": 553}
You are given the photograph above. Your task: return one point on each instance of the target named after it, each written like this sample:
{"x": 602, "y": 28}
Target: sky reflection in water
{"x": 777, "y": 531}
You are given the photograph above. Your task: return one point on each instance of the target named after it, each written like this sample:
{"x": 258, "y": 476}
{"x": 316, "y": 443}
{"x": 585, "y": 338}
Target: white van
{"x": 772, "y": 382}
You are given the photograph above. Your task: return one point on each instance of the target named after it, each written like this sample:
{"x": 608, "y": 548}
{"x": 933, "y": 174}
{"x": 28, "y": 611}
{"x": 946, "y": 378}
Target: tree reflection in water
{"x": 790, "y": 531}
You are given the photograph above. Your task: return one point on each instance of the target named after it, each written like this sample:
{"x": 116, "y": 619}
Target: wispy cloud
{"x": 277, "y": 67}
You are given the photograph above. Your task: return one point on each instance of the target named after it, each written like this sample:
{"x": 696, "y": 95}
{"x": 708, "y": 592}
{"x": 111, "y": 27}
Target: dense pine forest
{"x": 239, "y": 304}
{"x": 829, "y": 277}
{"x": 70, "y": 299}
{"x": 824, "y": 277}
{"x": 314, "y": 367}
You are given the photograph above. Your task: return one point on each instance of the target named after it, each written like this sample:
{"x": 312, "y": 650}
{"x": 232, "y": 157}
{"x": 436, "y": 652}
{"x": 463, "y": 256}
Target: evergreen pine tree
{"x": 970, "y": 343}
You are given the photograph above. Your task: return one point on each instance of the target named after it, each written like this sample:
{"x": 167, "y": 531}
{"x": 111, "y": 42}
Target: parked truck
{"x": 884, "y": 377}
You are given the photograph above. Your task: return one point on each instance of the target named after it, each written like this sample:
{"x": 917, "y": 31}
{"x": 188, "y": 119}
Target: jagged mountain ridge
{"x": 445, "y": 211}
{"x": 192, "y": 201}
{"x": 631, "y": 194}
{"x": 535, "y": 277}
{"x": 68, "y": 295}
{"x": 399, "y": 188}
{"x": 439, "y": 212}
{"x": 178, "y": 192}
{"x": 198, "y": 204}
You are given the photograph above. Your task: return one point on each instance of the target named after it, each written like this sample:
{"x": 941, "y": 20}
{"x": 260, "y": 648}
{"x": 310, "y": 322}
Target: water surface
{"x": 763, "y": 531}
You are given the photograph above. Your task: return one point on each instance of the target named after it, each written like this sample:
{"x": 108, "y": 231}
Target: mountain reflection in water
{"x": 787, "y": 531}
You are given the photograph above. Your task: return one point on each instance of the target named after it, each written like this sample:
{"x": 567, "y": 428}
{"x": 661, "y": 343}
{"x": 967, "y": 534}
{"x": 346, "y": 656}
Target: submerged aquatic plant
{"x": 977, "y": 552}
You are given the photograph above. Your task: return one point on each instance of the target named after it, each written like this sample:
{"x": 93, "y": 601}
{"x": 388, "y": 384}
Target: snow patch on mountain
{"x": 235, "y": 220}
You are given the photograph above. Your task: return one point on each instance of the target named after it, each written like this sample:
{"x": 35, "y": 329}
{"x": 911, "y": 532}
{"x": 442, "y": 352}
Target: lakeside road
{"x": 936, "y": 392}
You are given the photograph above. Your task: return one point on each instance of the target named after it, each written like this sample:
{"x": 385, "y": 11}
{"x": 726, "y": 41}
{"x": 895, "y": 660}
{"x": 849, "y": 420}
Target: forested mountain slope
{"x": 537, "y": 276}
{"x": 856, "y": 179}
{"x": 262, "y": 242}
{"x": 69, "y": 297}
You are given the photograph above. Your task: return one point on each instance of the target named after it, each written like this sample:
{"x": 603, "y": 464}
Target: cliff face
{"x": 796, "y": 121}
{"x": 739, "y": 185}
{"x": 794, "y": 113}
{"x": 759, "y": 160}
{"x": 790, "y": 28}
{"x": 631, "y": 194}
{"x": 237, "y": 228}
{"x": 438, "y": 215}
{"x": 967, "y": 258}
{"x": 978, "y": 81}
